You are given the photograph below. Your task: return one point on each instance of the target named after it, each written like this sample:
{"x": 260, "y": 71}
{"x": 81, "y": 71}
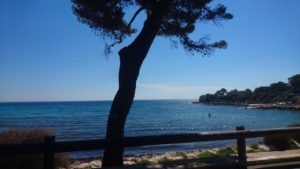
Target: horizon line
{"x": 85, "y": 100}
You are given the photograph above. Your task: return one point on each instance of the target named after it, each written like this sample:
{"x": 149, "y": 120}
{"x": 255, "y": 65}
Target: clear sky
{"x": 47, "y": 55}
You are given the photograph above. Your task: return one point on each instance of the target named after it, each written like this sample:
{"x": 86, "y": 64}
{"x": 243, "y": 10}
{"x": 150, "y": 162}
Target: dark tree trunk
{"x": 131, "y": 59}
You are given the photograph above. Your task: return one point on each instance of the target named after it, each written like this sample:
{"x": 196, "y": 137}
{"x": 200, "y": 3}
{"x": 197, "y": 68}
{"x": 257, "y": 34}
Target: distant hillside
{"x": 279, "y": 92}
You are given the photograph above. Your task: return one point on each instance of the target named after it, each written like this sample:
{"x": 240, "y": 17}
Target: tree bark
{"x": 131, "y": 59}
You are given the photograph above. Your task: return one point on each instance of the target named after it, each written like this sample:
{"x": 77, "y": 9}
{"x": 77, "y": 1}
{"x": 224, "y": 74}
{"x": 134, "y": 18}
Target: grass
{"x": 28, "y": 161}
{"x": 206, "y": 154}
{"x": 225, "y": 152}
{"x": 220, "y": 153}
{"x": 183, "y": 156}
{"x": 164, "y": 159}
{"x": 254, "y": 146}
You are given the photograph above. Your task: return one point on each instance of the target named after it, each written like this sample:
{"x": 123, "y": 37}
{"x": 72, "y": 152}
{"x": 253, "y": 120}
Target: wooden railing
{"x": 49, "y": 147}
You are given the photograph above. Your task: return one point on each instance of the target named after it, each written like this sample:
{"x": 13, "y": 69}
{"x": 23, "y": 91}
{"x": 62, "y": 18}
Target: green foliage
{"x": 274, "y": 93}
{"x": 254, "y": 146}
{"x": 220, "y": 153}
{"x": 206, "y": 154}
{"x": 28, "y": 161}
{"x": 183, "y": 156}
{"x": 295, "y": 83}
{"x": 108, "y": 18}
{"x": 144, "y": 162}
{"x": 225, "y": 152}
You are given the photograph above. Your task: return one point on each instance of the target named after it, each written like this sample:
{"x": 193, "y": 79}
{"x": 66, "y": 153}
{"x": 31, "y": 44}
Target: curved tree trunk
{"x": 131, "y": 59}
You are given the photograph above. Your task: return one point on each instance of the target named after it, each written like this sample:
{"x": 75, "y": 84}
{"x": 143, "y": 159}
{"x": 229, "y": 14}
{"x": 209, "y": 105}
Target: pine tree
{"x": 173, "y": 19}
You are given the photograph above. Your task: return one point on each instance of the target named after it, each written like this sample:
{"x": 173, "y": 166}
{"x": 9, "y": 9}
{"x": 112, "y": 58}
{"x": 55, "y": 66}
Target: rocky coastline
{"x": 266, "y": 106}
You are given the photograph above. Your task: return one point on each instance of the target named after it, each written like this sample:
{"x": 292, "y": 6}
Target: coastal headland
{"x": 280, "y": 95}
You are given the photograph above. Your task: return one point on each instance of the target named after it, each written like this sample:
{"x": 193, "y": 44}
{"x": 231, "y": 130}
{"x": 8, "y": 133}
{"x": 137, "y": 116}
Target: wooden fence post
{"x": 241, "y": 148}
{"x": 49, "y": 154}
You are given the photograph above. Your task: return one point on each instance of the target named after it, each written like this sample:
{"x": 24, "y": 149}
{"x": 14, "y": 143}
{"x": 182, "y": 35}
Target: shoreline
{"x": 272, "y": 106}
{"x": 264, "y": 106}
{"x": 152, "y": 159}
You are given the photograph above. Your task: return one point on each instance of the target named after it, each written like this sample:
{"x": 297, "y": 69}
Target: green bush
{"x": 226, "y": 151}
{"x": 183, "y": 156}
{"x": 28, "y": 161}
{"x": 254, "y": 146}
{"x": 206, "y": 154}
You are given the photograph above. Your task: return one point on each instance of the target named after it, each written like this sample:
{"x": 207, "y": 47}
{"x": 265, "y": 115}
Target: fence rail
{"x": 50, "y": 147}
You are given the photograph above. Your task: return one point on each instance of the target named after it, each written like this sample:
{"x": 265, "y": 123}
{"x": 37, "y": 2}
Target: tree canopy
{"x": 108, "y": 18}
{"x": 295, "y": 83}
{"x": 275, "y": 92}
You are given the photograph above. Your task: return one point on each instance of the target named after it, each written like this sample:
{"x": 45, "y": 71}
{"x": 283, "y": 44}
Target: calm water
{"x": 87, "y": 120}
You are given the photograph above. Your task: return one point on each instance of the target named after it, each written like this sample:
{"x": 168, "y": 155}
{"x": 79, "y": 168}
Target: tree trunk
{"x": 131, "y": 59}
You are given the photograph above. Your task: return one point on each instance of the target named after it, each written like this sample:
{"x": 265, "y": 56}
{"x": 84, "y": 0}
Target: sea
{"x": 83, "y": 120}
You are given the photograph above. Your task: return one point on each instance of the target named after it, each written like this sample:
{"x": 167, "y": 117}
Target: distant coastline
{"x": 280, "y": 95}
{"x": 256, "y": 106}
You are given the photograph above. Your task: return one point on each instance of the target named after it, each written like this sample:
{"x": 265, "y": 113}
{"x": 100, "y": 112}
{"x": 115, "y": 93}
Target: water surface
{"x": 87, "y": 120}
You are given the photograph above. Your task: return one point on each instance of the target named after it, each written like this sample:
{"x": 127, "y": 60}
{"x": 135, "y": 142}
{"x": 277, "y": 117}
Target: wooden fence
{"x": 49, "y": 147}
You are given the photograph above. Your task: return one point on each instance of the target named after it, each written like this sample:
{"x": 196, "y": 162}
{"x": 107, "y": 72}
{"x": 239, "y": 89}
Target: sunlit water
{"x": 87, "y": 120}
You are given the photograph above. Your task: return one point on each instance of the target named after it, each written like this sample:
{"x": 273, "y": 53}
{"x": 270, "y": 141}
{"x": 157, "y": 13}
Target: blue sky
{"x": 47, "y": 55}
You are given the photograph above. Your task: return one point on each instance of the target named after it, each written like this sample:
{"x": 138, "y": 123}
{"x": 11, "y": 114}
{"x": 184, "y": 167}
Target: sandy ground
{"x": 189, "y": 155}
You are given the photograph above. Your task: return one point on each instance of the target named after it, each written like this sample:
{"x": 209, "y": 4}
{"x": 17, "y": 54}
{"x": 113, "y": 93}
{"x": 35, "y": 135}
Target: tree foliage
{"x": 295, "y": 83}
{"x": 275, "y": 92}
{"x": 108, "y": 18}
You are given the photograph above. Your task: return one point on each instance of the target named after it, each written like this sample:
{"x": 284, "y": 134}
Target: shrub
{"x": 144, "y": 162}
{"x": 28, "y": 161}
{"x": 225, "y": 152}
{"x": 254, "y": 146}
{"x": 206, "y": 154}
{"x": 183, "y": 156}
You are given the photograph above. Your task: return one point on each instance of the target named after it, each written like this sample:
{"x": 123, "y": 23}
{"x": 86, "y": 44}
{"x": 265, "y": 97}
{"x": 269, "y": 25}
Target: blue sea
{"x": 87, "y": 120}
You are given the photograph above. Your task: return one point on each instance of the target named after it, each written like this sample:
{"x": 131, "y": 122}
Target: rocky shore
{"x": 274, "y": 106}
{"x": 257, "y": 106}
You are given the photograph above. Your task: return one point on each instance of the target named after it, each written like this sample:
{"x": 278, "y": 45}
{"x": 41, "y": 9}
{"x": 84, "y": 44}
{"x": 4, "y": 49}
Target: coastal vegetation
{"x": 183, "y": 156}
{"x": 276, "y": 93}
{"x": 28, "y": 161}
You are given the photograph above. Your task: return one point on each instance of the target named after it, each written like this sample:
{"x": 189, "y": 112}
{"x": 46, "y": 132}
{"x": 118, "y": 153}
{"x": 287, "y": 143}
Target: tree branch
{"x": 120, "y": 38}
{"x": 134, "y": 16}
